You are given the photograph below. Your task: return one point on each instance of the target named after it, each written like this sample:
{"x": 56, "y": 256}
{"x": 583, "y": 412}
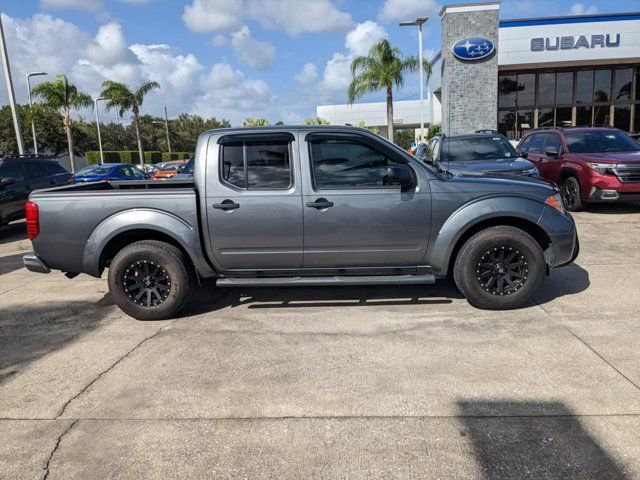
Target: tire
{"x": 570, "y": 192}
{"x": 150, "y": 280}
{"x": 521, "y": 255}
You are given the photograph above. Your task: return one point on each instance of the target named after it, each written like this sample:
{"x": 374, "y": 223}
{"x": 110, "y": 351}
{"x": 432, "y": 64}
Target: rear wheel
{"x": 570, "y": 191}
{"x": 149, "y": 280}
{"x": 500, "y": 268}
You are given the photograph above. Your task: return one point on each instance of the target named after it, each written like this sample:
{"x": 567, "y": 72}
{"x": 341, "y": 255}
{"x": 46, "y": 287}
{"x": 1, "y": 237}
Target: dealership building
{"x": 515, "y": 75}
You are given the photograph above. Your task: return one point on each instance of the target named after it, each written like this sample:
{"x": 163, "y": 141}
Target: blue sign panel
{"x": 473, "y": 48}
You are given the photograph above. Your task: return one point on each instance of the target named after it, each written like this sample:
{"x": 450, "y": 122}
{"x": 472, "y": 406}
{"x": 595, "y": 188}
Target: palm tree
{"x": 383, "y": 68}
{"x": 61, "y": 96}
{"x": 316, "y": 121}
{"x": 120, "y": 96}
{"x": 255, "y": 122}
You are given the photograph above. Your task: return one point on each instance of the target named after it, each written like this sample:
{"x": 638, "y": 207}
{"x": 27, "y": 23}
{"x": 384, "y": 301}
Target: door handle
{"x": 320, "y": 203}
{"x": 226, "y": 205}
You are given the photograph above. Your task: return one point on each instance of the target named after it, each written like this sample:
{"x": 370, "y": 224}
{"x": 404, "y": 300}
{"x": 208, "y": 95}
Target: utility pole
{"x": 166, "y": 127}
{"x": 33, "y": 123}
{"x": 95, "y": 106}
{"x": 12, "y": 97}
{"x": 418, "y": 22}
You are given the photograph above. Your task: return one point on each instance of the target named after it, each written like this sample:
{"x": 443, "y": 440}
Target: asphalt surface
{"x": 376, "y": 382}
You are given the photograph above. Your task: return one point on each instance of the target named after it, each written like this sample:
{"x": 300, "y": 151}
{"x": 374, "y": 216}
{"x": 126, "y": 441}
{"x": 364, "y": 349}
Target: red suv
{"x": 589, "y": 164}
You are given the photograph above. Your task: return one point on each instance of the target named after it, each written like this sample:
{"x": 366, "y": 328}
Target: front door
{"x": 254, "y": 202}
{"x": 353, "y": 217}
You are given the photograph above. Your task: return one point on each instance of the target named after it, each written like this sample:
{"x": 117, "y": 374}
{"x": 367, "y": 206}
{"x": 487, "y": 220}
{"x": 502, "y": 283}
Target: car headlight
{"x": 555, "y": 201}
{"x": 605, "y": 168}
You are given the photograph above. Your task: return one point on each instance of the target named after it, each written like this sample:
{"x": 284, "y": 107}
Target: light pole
{"x": 95, "y": 106}
{"x": 166, "y": 127}
{"x": 418, "y": 22}
{"x": 33, "y": 123}
{"x": 12, "y": 97}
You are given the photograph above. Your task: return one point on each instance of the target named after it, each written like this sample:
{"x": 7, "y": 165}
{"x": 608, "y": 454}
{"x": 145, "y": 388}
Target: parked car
{"x": 20, "y": 175}
{"x": 478, "y": 152}
{"x": 169, "y": 170}
{"x": 186, "y": 171}
{"x": 635, "y": 136}
{"x": 109, "y": 171}
{"x": 590, "y": 164}
{"x": 304, "y": 206}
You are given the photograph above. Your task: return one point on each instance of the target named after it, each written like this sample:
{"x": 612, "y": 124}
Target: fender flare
{"x": 469, "y": 215}
{"x": 144, "y": 219}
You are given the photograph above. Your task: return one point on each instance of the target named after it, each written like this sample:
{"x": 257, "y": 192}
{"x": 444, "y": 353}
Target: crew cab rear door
{"x": 353, "y": 216}
{"x": 254, "y": 201}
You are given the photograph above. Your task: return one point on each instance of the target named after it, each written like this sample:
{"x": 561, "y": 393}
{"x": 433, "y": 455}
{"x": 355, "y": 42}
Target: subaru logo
{"x": 473, "y": 48}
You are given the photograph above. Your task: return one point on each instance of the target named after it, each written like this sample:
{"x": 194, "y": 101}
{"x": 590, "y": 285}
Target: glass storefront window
{"x": 564, "y": 88}
{"x": 546, "y": 89}
{"x": 637, "y": 87}
{"x": 636, "y": 117}
{"x": 563, "y": 116}
{"x": 526, "y": 90}
{"x": 525, "y": 121}
{"x": 507, "y": 123}
{"x": 602, "y": 115}
{"x": 602, "y": 86}
{"x": 624, "y": 80}
{"x": 622, "y": 117}
{"x": 584, "y": 86}
{"x": 545, "y": 117}
{"x": 583, "y": 116}
{"x": 507, "y": 88}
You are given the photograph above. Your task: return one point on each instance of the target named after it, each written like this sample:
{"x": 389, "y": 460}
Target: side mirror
{"x": 400, "y": 176}
{"x": 7, "y": 181}
{"x": 552, "y": 152}
{"x": 523, "y": 154}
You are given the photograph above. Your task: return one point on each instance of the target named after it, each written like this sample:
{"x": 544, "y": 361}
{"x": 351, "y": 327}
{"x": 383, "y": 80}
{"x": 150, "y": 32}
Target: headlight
{"x": 605, "y": 168}
{"x": 555, "y": 201}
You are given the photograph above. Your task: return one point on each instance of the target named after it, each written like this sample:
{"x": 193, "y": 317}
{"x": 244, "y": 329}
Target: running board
{"x": 322, "y": 281}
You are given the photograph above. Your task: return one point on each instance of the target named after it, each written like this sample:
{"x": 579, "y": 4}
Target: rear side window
{"x": 11, "y": 170}
{"x": 53, "y": 168}
{"x": 256, "y": 165}
{"x": 35, "y": 169}
{"x": 347, "y": 163}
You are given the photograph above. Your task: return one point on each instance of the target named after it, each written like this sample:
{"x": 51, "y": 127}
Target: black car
{"x": 485, "y": 152}
{"x": 20, "y": 175}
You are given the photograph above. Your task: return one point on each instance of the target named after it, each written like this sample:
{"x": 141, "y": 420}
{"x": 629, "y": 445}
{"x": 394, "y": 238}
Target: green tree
{"x": 316, "y": 121}
{"x": 255, "y": 122}
{"x": 49, "y": 129}
{"x": 120, "y": 96}
{"x": 382, "y": 69}
{"x": 433, "y": 130}
{"x": 186, "y": 128}
{"x": 59, "y": 95}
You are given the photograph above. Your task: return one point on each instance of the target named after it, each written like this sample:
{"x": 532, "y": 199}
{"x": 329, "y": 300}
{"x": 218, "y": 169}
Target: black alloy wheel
{"x": 570, "y": 192}
{"x": 146, "y": 283}
{"x": 502, "y": 270}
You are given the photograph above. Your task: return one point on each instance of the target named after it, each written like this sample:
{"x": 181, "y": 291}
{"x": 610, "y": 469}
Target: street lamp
{"x": 12, "y": 97}
{"x": 33, "y": 123}
{"x": 95, "y": 106}
{"x": 418, "y": 22}
{"x": 166, "y": 127}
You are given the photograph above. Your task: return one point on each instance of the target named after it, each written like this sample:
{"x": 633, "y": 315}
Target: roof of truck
{"x": 288, "y": 128}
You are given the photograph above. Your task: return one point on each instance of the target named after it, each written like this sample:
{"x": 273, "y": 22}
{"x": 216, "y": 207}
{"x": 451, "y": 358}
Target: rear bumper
{"x": 34, "y": 263}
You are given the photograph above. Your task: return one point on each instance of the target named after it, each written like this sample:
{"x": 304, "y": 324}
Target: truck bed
{"x": 123, "y": 185}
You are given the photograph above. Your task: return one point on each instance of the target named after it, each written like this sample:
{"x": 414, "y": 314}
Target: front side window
{"x": 256, "y": 165}
{"x": 11, "y": 170}
{"x": 536, "y": 143}
{"x": 35, "y": 169}
{"x": 348, "y": 163}
{"x": 600, "y": 141}
{"x": 553, "y": 143}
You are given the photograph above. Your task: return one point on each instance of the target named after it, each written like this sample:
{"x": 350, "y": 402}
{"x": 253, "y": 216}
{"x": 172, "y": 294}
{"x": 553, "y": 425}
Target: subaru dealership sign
{"x": 473, "y": 48}
{"x": 569, "y": 42}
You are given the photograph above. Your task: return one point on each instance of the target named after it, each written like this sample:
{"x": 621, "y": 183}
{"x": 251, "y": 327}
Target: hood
{"x": 90, "y": 177}
{"x": 512, "y": 166}
{"x": 610, "y": 157}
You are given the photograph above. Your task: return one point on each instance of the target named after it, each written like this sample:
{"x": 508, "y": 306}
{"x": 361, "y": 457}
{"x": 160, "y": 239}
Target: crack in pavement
{"x": 55, "y": 449}
{"x": 99, "y": 376}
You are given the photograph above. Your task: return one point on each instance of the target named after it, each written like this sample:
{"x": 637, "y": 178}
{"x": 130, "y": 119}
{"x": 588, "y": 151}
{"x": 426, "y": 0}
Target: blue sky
{"x": 229, "y": 58}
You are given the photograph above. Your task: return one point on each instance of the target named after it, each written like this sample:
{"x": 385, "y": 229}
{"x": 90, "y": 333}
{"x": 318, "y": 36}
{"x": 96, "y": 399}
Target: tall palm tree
{"x": 120, "y": 96}
{"x": 255, "y": 122}
{"x": 61, "y": 96}
{"x": 316, "y": 121}
{"x": 383, "y": 68}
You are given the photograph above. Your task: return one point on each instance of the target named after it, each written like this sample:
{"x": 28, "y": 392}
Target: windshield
{"x": 476, "y": 148}
{"x": 599, "y": 141}
{"x": 170, "y": 168}
{"x": 188, "y": 169}
{"x": 95, "y": 170}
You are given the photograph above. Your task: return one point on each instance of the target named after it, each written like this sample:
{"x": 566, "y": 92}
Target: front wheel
{"x": 149, "y": 280}
{"x": 570, "y": 191}
{"x": 500, "y": 268}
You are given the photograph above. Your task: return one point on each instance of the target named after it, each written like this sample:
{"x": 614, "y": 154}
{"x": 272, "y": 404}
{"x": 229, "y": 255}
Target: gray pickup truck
{"x": 303, "y": 206}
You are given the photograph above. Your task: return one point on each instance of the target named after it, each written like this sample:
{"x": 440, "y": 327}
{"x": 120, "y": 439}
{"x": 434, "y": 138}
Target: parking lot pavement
{"x": 380, "y": 382}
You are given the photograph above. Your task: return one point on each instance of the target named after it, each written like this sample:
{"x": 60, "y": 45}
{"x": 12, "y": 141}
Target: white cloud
{"x": 209, "y": 16}
{"x": 88, "y": 5}
{"x": 582, "y": 9}
{"x": 299, "y": 16}
{"x": 219, "y": 40}
{"x": 394, "y": 10}
{"x": 363, "y": 36}
{"x": 258, "y": 55}
{"x": 110, "y": 46}
{"x": 307, "y": 75}
{"x": 337, "y": 73}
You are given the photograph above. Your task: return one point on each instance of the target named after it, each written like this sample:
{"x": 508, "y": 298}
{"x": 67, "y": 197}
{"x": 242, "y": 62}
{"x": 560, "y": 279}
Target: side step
{"x": 323, "y": 281}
